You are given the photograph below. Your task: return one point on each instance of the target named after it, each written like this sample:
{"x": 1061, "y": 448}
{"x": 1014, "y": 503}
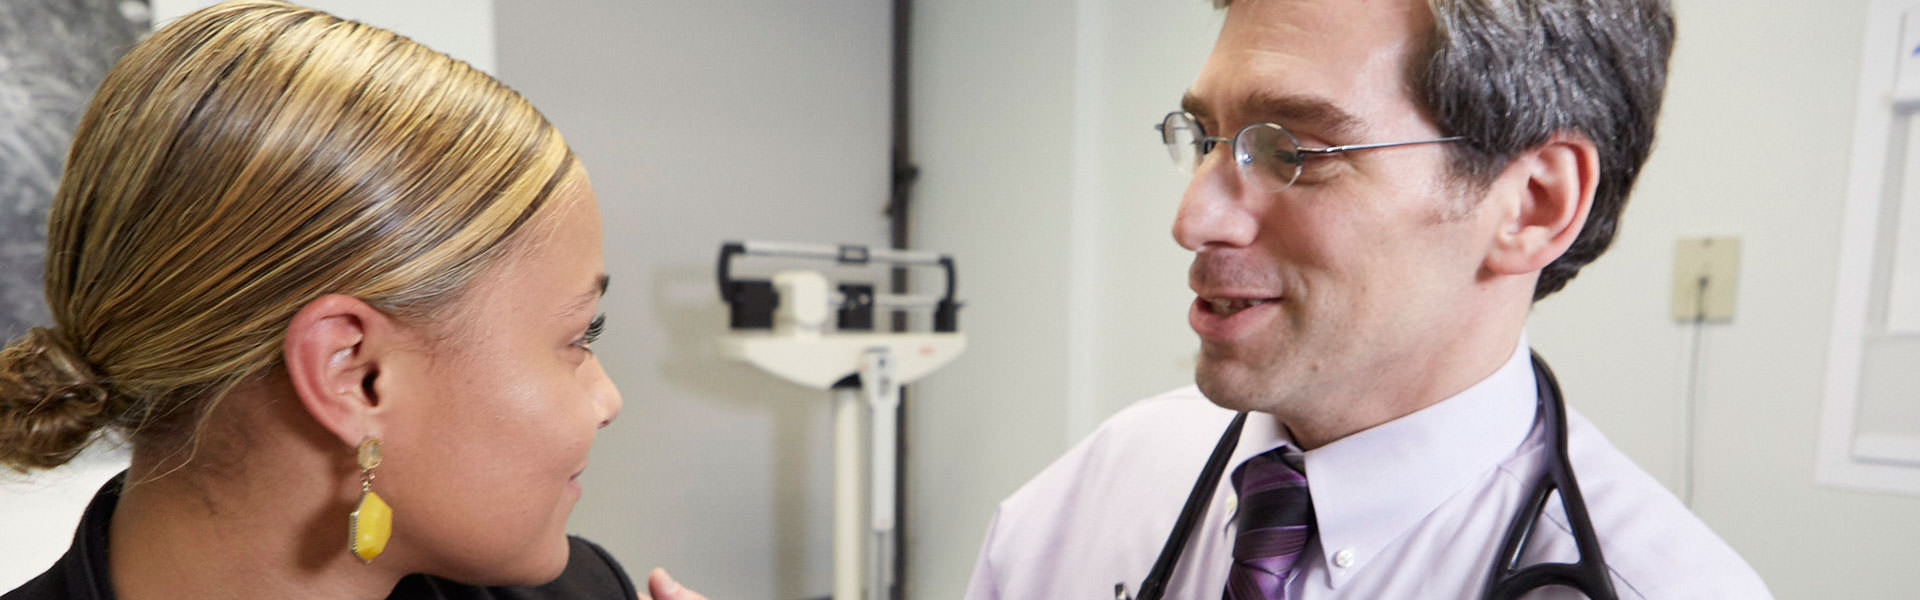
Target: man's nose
{"x": 1213, "y": 211}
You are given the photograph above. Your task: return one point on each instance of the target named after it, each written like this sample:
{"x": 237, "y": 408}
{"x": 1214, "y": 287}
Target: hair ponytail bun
{"x": 52, "y": 402}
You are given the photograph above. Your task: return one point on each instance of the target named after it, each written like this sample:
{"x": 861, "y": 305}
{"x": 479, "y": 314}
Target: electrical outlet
{"x": 1706, "y": 272}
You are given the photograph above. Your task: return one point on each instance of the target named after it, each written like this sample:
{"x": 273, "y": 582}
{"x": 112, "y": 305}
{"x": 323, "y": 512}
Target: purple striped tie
{"x": 1275, "y": 521}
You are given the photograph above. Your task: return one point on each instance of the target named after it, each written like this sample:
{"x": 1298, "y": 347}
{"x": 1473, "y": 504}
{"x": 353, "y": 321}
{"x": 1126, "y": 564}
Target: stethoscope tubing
{"x": 1507, "y": 580}
{"x": 1156, "y": 583}
{"x": 1589, "y": 573}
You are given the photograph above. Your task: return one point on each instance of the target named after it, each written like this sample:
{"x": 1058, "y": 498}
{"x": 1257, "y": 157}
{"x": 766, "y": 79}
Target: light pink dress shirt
{"x": 1413, "y": 508}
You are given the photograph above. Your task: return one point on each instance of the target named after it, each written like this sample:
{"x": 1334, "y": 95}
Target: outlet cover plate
{"x": 1714, "y": 261}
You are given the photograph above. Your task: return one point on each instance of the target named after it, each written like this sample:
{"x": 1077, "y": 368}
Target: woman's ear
{"x": 333, "y": 353}
{"x": 1550, "y": 191}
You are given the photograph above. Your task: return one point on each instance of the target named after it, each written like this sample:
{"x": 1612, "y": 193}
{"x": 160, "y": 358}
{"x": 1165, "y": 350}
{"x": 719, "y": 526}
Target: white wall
{"x": 1032, "y": 125}
{"x": 1738, "y": 93}
{"x": 992, "y": 121}
{"x": 39, "y": 511}
{"x": 461, "y": 28}
{"x": 702, "y": 122}
{"x": 1033, "y": 131}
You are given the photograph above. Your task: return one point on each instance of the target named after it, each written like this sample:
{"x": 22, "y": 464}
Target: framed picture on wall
{"x": 53, "y": 53}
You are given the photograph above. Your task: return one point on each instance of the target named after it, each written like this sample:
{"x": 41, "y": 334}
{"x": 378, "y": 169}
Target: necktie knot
{"x": 1275, "y": 521}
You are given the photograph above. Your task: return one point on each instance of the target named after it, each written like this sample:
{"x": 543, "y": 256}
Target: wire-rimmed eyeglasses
{"x": 1265, "y": 152}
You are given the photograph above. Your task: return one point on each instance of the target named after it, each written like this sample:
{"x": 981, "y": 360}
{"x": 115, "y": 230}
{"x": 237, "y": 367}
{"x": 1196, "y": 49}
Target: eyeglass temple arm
{"x": 1353, "y": 147}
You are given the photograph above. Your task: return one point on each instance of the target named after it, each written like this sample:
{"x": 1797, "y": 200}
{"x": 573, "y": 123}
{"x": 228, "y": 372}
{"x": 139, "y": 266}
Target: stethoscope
{"x": 1507, "y": 580}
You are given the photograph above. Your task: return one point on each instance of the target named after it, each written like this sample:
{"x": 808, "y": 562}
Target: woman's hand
{"x": 664, "y": 587}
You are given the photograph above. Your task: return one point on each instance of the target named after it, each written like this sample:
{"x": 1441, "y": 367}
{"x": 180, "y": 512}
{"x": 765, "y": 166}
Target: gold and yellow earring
{"x": 372, "y": 520}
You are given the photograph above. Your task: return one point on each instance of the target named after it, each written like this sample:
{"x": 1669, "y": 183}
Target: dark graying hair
{"x": 1510, "y": 74}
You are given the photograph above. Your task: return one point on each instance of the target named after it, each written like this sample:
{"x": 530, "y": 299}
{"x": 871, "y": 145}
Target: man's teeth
{"x": 1228, "y": 306}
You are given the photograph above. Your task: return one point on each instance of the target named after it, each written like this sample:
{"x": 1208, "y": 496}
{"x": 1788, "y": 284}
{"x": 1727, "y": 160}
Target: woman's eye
{"x": 594, "y": 329}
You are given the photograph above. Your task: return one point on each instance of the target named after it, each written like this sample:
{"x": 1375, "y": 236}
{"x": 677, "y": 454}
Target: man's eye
{"x": 1316, "y": 169}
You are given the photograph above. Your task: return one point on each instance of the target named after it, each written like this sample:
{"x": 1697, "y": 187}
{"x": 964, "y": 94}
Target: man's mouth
{"x": 1228, "y": 306}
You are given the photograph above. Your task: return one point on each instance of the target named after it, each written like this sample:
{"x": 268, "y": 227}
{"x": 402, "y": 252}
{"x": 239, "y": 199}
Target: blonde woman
{"x": 338, "y": 290}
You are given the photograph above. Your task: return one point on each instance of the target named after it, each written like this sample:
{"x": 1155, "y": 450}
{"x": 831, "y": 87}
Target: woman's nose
{"x": 606, "y": 396}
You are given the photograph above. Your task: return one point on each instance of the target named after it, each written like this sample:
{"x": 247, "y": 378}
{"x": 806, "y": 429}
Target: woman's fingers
{"x": 664, "y": 587}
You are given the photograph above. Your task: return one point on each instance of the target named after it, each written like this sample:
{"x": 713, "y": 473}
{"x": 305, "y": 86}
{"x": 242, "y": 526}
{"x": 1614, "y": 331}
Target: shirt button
{"x": 1343, "y": 558}
{"x": 1233, "y": 504}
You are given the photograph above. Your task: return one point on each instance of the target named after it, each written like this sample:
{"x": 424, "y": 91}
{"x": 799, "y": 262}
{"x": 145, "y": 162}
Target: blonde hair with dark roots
{"x": 235, "y": 165}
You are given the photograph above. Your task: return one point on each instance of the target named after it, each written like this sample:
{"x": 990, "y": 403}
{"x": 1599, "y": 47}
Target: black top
{"x": 81, "y": 574}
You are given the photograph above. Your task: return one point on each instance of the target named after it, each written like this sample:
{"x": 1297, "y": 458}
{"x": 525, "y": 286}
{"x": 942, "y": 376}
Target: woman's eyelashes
{"x": 594, "y": 329}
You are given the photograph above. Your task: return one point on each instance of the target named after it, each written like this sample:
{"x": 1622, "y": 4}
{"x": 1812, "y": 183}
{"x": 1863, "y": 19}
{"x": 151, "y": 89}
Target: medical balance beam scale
{"x": 780, "y": 324}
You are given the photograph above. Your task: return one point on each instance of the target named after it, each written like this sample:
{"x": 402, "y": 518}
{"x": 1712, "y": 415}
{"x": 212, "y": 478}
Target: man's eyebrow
{"x": 1292, "y": 110}
{"x": 1193, "y": 105}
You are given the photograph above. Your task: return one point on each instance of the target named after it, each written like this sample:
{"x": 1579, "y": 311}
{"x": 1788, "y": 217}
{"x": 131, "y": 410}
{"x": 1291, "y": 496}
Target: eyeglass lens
{"x": 1182, "y": 137}
{"x": 1264, "y": 152}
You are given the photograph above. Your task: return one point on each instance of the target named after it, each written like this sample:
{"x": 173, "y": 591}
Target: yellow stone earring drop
{"x": 372, "y": 521}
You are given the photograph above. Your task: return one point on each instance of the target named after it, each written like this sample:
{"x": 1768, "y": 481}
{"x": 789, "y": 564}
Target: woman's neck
{"x": 259, "y": 514}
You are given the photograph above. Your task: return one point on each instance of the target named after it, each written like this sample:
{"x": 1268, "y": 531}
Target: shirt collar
{"x": 84, "y": 567}
{"x": 1370, "y": 487}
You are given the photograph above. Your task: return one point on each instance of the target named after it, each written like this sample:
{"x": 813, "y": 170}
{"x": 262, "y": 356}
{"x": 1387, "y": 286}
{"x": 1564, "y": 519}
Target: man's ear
{"x": 1547, "y": 192}
{"x": 333, "y": 356}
